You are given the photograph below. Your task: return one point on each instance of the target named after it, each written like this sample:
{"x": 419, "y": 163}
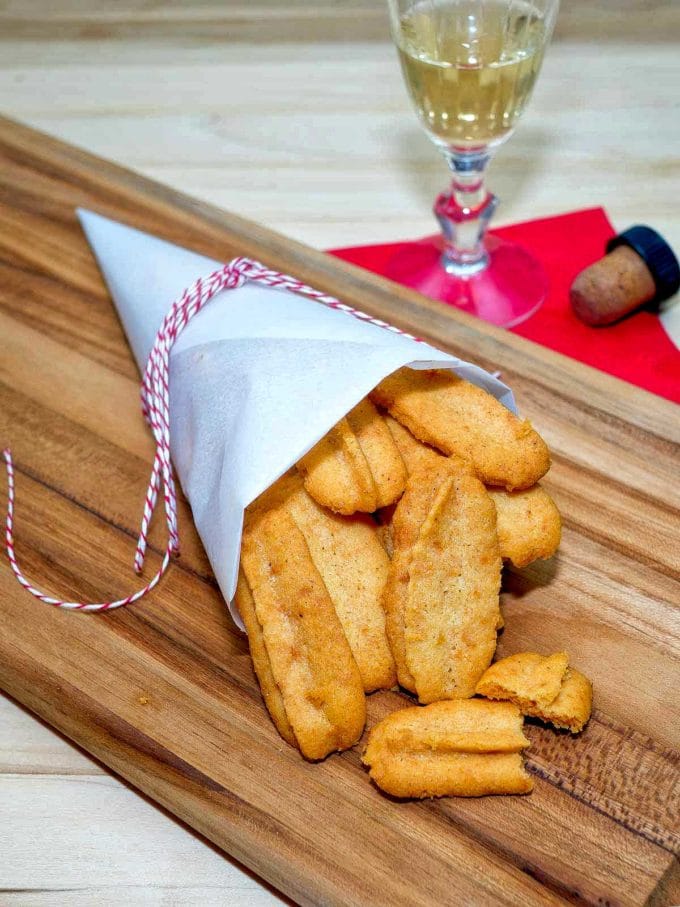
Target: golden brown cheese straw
{"x": 572, "y": 707}
{"x": 394, "y": 597}
{"x": 409, "y": 516}
{"x": 258, "y": 652}
{"x": 415, "y": 454}
{"x": 529, "y": 524}
{"x": 347, "y": 552}
{"x": 336, "y": 472}
{"x": 459, "y": 418}
{"x": 356, "y": 466}
{"x": 530, "y": 679}
{"x": 310, "y": 658}
{"x": 452, "y": 775}
{"x": 459, "y": 748}
{"x": 454, "y": 725}
{"x": 451, "y": 612}
{"x": 541, "y": 686}
{"x": 382, "y": 454}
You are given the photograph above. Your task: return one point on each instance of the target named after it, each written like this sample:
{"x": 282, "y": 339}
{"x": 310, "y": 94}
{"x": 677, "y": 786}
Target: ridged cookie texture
{"x": 409, "y": 516}
{"x": 336, "y": 472}
{"x": 541, "y": 686}
{"x": 382, "y": 454}
{"x": 460, "y": 418}
{"x": 464, "y": 748}
{"x": 356, "y": 466}
{"x": 454, "y": 725}
{"x": 263, "y": 669}
{"x": 451, "y": 611}
{"x": 347, "y": 552}
{"x": 310, "y": 659}
{"x": 415, "y": 454}
{"x": 529, "y": 524}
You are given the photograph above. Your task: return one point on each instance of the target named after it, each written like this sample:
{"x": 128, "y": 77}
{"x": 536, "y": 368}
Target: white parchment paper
{"x": 256, "y": 378}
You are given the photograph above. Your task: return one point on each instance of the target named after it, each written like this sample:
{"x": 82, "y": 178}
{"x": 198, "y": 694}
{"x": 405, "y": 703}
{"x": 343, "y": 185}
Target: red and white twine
{"x": 155, "y": 394}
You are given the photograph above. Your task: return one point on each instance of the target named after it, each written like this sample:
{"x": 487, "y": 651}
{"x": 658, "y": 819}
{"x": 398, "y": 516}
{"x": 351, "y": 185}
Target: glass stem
{"x": 464, "y": 212}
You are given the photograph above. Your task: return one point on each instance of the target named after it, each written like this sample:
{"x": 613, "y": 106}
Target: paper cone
{"x": 256, "y": 379}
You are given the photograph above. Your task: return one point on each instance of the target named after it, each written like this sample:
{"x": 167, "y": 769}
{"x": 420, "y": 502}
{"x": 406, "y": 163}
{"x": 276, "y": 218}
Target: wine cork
{"x": 613, "y": 287}
{"x": 639, "y": 269}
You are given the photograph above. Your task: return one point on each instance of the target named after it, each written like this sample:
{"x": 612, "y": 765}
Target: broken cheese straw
{"x": 541, "y": 686}
{"x": 465, "y": 748}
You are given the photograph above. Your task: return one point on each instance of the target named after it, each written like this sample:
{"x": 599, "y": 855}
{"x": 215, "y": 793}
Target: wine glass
{"x": 470, "y": 67}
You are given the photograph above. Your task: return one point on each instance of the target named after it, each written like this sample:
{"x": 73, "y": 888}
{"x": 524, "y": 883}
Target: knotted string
{"x": 155, "y": 396}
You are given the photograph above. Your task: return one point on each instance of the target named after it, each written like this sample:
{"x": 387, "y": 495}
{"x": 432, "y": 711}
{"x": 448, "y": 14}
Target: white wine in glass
{"x": 470, "y": 67}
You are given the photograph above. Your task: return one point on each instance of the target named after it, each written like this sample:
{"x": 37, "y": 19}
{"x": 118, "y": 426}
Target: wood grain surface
{"x": 163, "y": 692}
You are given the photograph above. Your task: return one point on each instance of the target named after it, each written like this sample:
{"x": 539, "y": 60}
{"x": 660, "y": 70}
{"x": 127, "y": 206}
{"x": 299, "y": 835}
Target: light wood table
{"x": 293, "y": 115}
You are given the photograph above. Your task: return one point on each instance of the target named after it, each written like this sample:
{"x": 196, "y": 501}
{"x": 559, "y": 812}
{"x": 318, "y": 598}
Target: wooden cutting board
{"x": 163, "y": 692}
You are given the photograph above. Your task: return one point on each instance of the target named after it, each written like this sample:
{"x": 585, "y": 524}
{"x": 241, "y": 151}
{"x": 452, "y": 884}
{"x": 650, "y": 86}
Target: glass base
{"x": 506, "y": 292}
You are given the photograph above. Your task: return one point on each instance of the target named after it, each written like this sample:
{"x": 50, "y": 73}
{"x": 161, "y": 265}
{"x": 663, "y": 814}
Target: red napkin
{"x": 636, "y": 349}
